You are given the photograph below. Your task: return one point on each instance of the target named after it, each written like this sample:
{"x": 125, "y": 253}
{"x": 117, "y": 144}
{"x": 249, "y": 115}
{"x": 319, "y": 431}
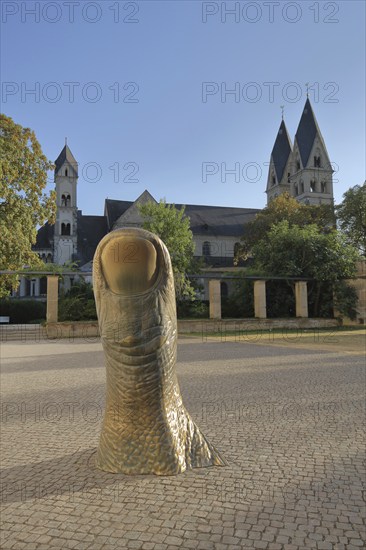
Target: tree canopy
{"x": 173, "y": 227}
{"x": 351, "y": 215}
{"x": 327, "y": 258}
{"x": 283, "y": 207}
{"x": 294, "y": 251}
{"x": 24, "y": 204}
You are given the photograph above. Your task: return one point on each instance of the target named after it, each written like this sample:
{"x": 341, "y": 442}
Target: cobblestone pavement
{"x": 290, "y": 422}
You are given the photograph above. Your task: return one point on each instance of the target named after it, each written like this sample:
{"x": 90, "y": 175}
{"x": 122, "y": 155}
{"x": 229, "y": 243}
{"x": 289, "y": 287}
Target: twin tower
{"x": 302, "y": 169}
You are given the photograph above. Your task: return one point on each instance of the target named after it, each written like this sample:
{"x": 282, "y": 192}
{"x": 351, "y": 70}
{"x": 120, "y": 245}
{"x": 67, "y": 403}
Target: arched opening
{"x": 313, "y": 186}
{"x": 65, "y": 229}
{"x": 66, "y": 172}
{"x": 317, "y": 161}
{"x": 324, "y": 186}
{"x": 65, "y": 200}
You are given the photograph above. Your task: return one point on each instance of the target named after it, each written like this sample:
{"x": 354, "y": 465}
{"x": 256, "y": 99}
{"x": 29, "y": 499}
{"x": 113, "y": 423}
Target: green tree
{"x": 23, "y": 203}
{"x": 173, "y": 227}
{"x": 351, "y": 215}
{"x": 294, "y": 251}
{"x": 283, "y": 207}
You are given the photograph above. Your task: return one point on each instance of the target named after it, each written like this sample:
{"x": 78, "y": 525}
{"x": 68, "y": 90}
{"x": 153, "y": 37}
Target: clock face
{"x": 129, "y": 264}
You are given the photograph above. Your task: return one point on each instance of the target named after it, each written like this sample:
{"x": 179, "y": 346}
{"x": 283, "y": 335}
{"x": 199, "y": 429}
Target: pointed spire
{"x": 66, "y": 155}
{"x": 306, "y": 132}
{"x": 281, "y": 150}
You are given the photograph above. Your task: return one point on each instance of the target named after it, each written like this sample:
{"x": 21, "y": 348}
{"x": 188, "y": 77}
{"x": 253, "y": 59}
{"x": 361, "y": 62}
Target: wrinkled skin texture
{"x": 146, "y": 428}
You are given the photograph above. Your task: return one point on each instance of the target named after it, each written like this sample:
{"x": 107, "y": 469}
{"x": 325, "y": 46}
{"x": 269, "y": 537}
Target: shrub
{"x": 240, "y": 303}
{"x": 77, "y": 304}
{"x": 197, "y": 309}
{"x": 23, "y": 311}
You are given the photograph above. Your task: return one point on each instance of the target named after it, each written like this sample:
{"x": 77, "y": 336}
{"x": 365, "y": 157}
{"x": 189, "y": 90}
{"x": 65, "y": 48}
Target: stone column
{"x": 214, "y": 289}
{"x": 52, "y": 298}
{"x": 260, "y": 304}
{"x": 301, "y": 295}
{"x": 22, "y": 289}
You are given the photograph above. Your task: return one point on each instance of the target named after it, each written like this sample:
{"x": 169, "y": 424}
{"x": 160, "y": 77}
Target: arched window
{"x": 298, "y": 164}
{"x": 66, "y": 172}
{"x": 324, "y": 186}
{"x": 65, "y": 229}
{"x": 312, "y": 186}
{"x": 317, "y": 161}
{"x": 206, "y": 249}
{"x": 302, "y": 187}
{"x": 65, "y": 200}
{"x": 224, "y": 289}
{"x": 296, "y": 189}
{"x": 49, "y": 258}
{"x": 273, "y": 179}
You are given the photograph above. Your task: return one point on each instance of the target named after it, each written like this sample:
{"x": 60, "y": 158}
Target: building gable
{"x": 131, "y": 216}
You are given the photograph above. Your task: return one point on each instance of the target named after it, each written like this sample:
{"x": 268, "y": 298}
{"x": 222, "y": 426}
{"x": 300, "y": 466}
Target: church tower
{"x": 279, "y": 167}
{"x": 311, "y": 170}
{"x": 65, "y": 236}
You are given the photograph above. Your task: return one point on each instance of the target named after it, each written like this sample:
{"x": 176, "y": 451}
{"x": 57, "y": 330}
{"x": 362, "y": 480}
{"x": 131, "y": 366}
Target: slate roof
{"x": 307, "y": 130}
{"x": 66, "y": 154}
{"x": 205, "y": 220}
{"x": 113, "y": 209}
{"x": 281, "y": 151}
{"x": 218, "y": 220}
{"x": 44, "y": 237}
{"x": 91, "y": 230}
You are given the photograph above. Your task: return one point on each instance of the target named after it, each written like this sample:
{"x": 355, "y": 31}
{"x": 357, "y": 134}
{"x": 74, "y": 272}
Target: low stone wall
{"x": 209, "y": 326}
{"x": 89, "y": 331}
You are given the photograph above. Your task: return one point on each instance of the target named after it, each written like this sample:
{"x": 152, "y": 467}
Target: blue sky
{"x": 138, "y": 114}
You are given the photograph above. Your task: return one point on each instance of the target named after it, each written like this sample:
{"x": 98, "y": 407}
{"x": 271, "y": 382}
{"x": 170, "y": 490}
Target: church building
{"x": 302, "y": 169}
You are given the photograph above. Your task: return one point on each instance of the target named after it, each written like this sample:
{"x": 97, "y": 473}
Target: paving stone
{"x": 294, "y": 474}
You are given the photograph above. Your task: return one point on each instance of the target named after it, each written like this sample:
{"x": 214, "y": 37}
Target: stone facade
{"x": 303, "y": 169}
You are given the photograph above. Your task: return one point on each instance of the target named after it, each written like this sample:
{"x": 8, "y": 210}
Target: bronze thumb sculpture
{"x": 146, "y": 428}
